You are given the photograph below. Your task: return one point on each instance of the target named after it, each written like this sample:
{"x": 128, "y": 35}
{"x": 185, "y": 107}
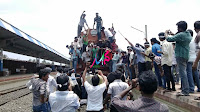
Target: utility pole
{"x": 146, "y": 31}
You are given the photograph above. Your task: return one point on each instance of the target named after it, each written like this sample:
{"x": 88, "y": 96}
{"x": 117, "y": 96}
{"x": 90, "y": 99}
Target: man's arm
{"x": 101, "y": 22}
{"x": 82, "y": 14}
{"x": 104, "y": 78}
{"x": 133, "y": 85}
{"x": 173, "y": 38}
{"x": 94, "y": 23}
{"x": 121, "y": 105}
{"x": 195, "y": 64}
{"x": 85, "y": 71}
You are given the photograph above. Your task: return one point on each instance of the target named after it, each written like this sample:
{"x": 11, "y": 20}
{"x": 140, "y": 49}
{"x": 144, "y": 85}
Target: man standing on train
{"x": 99, "y": 22}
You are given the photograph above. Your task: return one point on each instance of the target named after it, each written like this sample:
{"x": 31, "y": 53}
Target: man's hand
{"x": 87, "y": 64}
{"x": 134, "y": 83}
{"x": 100, "y": 72}
{"x": 194, "y": 66}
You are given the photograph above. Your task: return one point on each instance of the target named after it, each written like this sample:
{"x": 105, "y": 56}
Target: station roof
{"x": 14, "y": 40}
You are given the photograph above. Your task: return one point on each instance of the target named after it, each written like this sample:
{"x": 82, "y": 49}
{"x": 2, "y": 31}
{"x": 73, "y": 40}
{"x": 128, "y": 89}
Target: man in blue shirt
{"x": 156, "y": 49}
{"x": 99, "y": 22}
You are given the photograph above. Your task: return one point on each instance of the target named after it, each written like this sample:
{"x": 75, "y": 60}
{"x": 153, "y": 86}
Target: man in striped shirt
{"x": 146, "y": 103}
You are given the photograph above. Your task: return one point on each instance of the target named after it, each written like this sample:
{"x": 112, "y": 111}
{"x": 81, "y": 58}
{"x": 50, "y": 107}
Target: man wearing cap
{"x": 99, "y": 22}
{"x": 39, "y": 89}
{"x": 166, "y": 60}
{"x": 148, "y": 61}
{"x": 81, "y": 24}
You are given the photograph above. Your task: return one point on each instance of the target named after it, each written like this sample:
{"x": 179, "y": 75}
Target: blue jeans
{"x": 1, "y": 65}
{"x": 130, "y": 73}
{"x": 75, "y": 60}
{"x": 111, "y": 39}
{"x": 157, "y": 72}
{"x": 98, "y": 28}
{"x": 182, "y": 64}
{"x": 114, "y": 66}
{"x": 79, "y": 30}
{"x": 176, "y": 75}
{"x": 41, "y": 108}
{"x": 190, "y": 76}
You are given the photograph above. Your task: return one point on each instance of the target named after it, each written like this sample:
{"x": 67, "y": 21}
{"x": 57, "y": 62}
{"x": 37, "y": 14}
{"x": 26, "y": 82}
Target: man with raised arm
{"x": 146, "y": 103}
{"x": 99, "y": 22}
{"x": 81, "y": 24}
{"x": 94, "y": 91}
{"x": 182, "y": 39}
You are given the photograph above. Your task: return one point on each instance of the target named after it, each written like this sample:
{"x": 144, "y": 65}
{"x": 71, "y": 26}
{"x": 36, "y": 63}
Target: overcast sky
{"x": 54, "y": 22}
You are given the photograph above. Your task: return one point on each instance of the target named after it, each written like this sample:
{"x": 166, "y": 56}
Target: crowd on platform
{"x": 174, "y": 57}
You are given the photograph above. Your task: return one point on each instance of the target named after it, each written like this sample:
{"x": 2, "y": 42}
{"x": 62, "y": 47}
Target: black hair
{"x": 117, "y": 74}
{"x": 95, "y": 80}
{"x": 60, "y": 69}
{"x": 148, "y": 82}
{"x": 162, "y": 34}
{"x": 43, "y": 73}
{"x": 154, "y": 40}
{"x": 197, "y": 25}
{"x": 182, "y": 25}
{"x": 191, "y": 32}
{"x": 62, "y": 80}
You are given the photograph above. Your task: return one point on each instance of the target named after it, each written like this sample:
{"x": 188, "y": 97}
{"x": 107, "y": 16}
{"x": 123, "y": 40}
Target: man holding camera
{"x": 182, "y": 39}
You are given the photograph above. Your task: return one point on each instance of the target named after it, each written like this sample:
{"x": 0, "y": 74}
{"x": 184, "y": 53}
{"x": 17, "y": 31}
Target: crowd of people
{"x": 174, "y": 57}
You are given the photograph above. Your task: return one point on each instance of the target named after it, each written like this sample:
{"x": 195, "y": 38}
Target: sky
{"x": 55, "y": 22}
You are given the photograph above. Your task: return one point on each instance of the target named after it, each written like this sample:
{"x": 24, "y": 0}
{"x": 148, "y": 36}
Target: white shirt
{"x": 80, "y": 41}
{"x": 95, "y": 96}
{"x": 51, "y": 84}
{"x": 117, "y": 87}
{"x": 116, "y": 56}
{"x": 58, "y": 74}
{"x": 192, "y": 53}
{"x": 64, "y": 101}
{"x": 174, "y": 58}
{"x": 131, "y": 56}
{"x": 85, "y": 57}
{"x": 167, "y": 49}
{"x": 108, "y": 34}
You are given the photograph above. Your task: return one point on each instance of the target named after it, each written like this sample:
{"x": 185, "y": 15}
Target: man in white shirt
{"x": 166, "y": 60}
{"x": 115, "y": 88}
{"x": 64, "y": 100}
{"x": 115, "y": 60}
{"x": 94, "y": 91}
{"x": 108, "y": 34}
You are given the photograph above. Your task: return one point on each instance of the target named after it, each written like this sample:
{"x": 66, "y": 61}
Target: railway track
{"x": 13, "y": 93}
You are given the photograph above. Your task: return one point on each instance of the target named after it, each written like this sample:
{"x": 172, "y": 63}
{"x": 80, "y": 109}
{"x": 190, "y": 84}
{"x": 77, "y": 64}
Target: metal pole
{"x": 146, "y": 31}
